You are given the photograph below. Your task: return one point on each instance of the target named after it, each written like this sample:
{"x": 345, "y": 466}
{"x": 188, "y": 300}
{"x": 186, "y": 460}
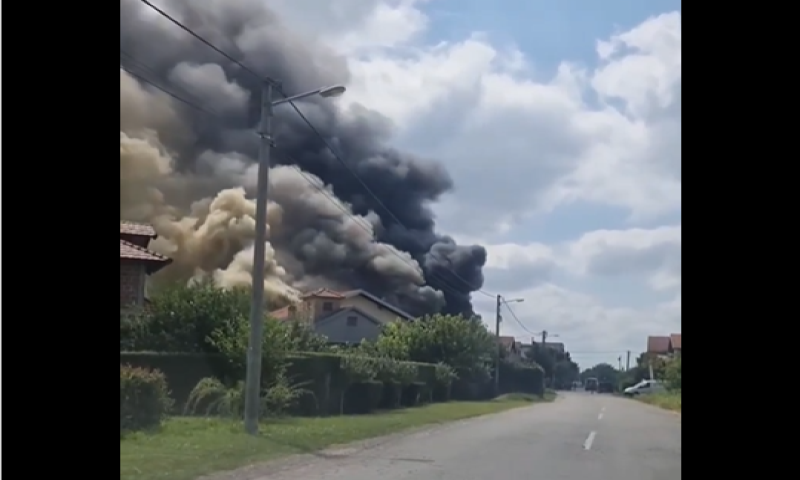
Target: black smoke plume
{"x": 191, "y": 173}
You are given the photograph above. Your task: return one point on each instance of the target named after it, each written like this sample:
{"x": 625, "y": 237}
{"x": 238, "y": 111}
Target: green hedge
{"x": 520, "y": 378}
{"x": 339, "y": 383}
{"x": 335, "y": 383}
{"x": 182, "y": 370}
{"x": 143, "y": 398}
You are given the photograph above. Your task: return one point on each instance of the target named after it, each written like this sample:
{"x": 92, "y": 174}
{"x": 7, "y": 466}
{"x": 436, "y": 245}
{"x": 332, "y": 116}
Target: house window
{"x": 352, "y": 321}
{"x": 327, "y": 307}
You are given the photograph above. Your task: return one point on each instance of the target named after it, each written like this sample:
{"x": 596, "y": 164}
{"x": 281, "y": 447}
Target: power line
{"x": 175, "y": 96}
{"x": 207, "y": 43}
{"x": 335, "y": 201}
{"x": 514, "y": 316}
{"x": 327, "y": 144}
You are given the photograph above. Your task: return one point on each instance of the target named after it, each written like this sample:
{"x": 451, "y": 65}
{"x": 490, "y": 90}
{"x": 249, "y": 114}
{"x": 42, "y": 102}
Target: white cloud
{"x": 520, "y": 145}
{"x": 608, "y": 135}
{"x": 655, "y": 253}
{"x": 594, "y": 330}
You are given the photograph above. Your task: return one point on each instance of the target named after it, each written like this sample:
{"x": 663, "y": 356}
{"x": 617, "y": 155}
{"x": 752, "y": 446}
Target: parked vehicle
{"x": 590, "y": 385}
{"x": 645, "y": 387}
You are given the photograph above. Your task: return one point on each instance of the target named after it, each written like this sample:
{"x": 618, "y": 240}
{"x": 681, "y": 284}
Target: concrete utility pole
{"x": 628, "y": 362}
{"x": 498, "y": 319}
{"x": 545, "y": 334}
{"x": 253, "y": 378}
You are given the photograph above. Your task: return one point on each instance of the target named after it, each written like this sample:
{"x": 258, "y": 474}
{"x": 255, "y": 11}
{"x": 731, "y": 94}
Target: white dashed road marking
{"x": 589, "y": 440}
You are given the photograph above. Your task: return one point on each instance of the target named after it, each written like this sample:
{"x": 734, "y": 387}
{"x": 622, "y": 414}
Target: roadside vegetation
{"x": 182, "y": 392}
{"x": 671, "y": 373}
{"x": 667, "y": 370}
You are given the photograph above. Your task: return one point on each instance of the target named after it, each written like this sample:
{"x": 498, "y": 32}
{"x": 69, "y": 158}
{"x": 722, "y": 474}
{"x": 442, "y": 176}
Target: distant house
{"x": 525, "y": 350}
{"x": 511, "y": 346}
{"x": 664, "y": 346}
{"x": 344, "y": 317}
{"x": 675, "y": 340}
{"x": 136, "y": 262}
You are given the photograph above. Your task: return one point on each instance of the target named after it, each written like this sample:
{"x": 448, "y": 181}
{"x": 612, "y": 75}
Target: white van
{"x": 645, "y": 387}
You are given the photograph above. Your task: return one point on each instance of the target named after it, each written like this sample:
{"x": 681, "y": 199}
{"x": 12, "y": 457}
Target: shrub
{"x": 143, "y": 398}
{"x": 181, "y": 318}
{"x": 444, "y": 374}
{"x": 359, "y": 369}
{"x": 183, "y": 371}
{"x": 212, "y": 397}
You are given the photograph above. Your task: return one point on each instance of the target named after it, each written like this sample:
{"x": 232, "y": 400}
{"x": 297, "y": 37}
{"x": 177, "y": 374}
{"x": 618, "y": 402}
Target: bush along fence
{"x": 312, "y": 384}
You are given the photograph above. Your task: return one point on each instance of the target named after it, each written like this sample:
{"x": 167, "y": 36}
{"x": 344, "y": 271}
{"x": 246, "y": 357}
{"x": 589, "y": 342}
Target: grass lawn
{"x": 186, "y": 448}
{"x": 669, "y": 401}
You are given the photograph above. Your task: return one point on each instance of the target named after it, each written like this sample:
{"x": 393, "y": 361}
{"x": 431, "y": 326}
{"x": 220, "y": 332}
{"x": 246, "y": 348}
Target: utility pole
{"x": 619, "y": 363}
{"x": 628, "y": 362}
{"x": 498, "y": 319}
{"x": 252, "y": 397}
{"x": 545, "y": 334}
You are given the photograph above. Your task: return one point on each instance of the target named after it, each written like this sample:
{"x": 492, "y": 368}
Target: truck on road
{"x": 590, "y": 385}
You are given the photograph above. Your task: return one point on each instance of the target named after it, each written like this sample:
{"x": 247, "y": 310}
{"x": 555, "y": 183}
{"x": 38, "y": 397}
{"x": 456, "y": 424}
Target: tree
{"x": 603, "y": 372}
{"x": 544, "y": 357}
{"x": 672, "y": 373}
{"x": 181, "y": 318}
{"x": 565, "y": 372}
{"x": 202, "y": 318}
{"x": 465, "y": 345}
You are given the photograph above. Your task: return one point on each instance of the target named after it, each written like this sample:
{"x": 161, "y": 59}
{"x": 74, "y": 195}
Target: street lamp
{"x": 498, "y": 319}
{"x": 253, "y": 378}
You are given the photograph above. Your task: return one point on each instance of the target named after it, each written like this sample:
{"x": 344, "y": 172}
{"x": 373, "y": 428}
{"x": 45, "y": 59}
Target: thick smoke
{"x": 192, "y": 175}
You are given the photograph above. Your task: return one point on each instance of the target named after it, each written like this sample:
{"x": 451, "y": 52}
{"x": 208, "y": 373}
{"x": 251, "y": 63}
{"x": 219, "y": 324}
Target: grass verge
{"x": 186, "y": 448}
{"x": 668, "y": 401}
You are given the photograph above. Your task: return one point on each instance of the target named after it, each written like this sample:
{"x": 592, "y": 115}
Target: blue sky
{"x": 549, "y": 31}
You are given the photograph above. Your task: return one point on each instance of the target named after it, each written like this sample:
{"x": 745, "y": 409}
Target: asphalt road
{"x": 577, "y": 437}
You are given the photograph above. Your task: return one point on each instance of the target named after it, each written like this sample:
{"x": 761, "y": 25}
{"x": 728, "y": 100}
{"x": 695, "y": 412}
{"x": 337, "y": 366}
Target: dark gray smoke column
{"x": 249, "y": 31}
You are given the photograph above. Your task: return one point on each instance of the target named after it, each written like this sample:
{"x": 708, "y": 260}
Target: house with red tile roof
{"x": 666, "y": 345}
{"x": 675, "y": 340}
{"x": 346, "y": 317}
{"x": 136, "y": 262}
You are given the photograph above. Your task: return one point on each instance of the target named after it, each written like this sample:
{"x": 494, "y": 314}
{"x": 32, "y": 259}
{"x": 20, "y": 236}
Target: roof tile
{"x": 324, "y": 293}
{"x": 675, "y": 338}
{"x": 129, "y": 251}
{"x": 132, "y": 228}
{"x": 505, "y": 341}
{"x": 659, "y": 345}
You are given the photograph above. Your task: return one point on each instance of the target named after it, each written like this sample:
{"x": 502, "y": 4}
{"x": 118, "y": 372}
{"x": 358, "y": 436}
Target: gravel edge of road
{"x": 259, "y": 470}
